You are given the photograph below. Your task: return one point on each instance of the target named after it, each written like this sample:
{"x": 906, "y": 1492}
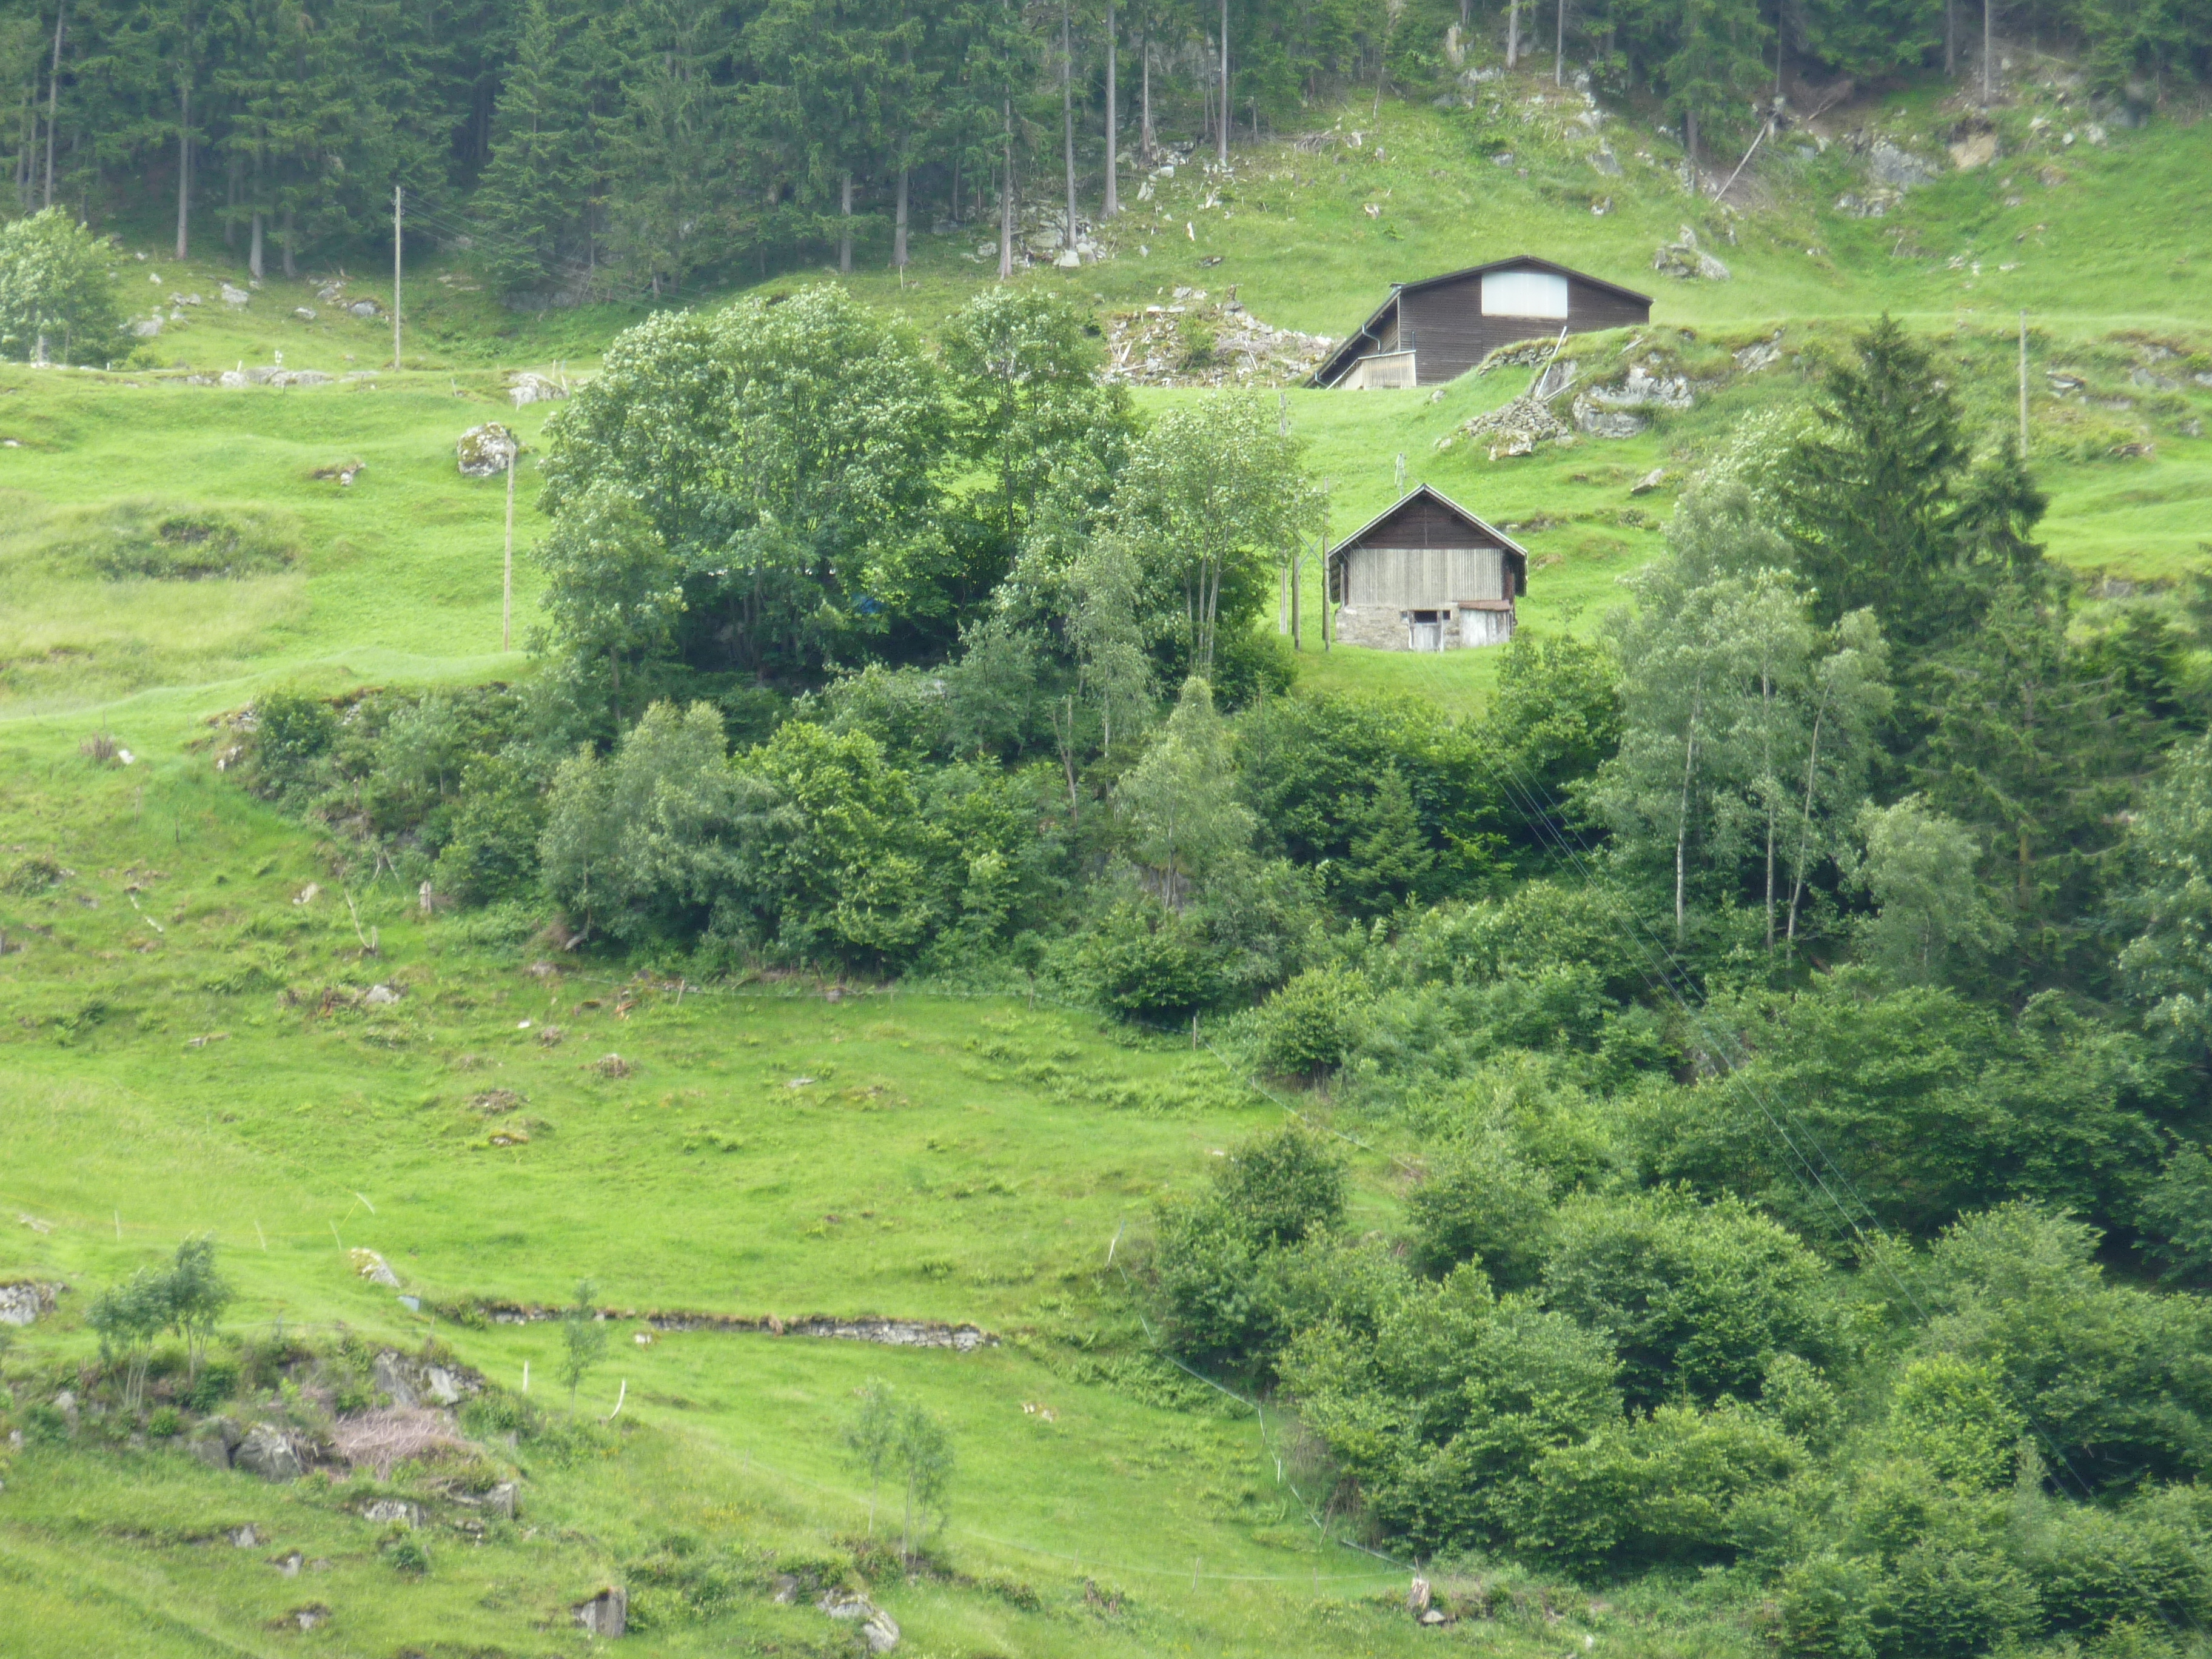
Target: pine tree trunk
{"x": 230, "y": 200}
{"x": 1144, "y": 101}
{"x": 184, "y": 169}
{"x": 291, "y": 270}
{"x": 1512, "y": 33}
{"x": 845, "y": 229}
{"x": 1950, "y": 39}
{"x": 53, "y": 102}
{"x": 1006, "y": 197}
{"x": 1067, "y": 117}
{"x": 898, "y": 223}
{"x": 253, "y": 253}
{"x": 1559, "y": 61}
{"x": 1221, "y": 155}
{"x": 1113, "y": 204}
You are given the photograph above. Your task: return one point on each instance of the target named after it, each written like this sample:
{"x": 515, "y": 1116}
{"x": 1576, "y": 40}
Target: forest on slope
{"x": 1737, "y": 1158}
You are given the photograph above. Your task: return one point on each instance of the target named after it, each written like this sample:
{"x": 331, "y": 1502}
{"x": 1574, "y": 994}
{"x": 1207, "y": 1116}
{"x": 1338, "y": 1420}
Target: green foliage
{"x": 292, "y": 730}
{"x": 583, "y": 1339}
{"x": 1919, "y": 869}
{"x": 1697, "y": 1299}
{"x": 2167, "y": 964}
{"x": 58, "y": 302}
{"x": 1308, "y": 1026}
{"x": 1485, "y": 1206}
{"x": 1141, "y": 960}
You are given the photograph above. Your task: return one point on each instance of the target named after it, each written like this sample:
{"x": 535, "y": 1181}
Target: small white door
{"x": 1428, "y": 637}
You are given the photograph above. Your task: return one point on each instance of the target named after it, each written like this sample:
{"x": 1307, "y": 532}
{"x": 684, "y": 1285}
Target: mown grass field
{"x": 952, "y": 1158}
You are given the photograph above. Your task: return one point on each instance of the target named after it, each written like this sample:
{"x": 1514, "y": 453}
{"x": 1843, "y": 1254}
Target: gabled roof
{"x": 1340, "y": 359}
{"x": 1515, "y": 551}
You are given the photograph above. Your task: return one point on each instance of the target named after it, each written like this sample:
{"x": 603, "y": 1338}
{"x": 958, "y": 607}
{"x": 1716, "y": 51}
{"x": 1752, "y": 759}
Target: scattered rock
{"x": 612, "y": 1065}
{"x": 486, "y": 451}
{"x": 441, "y": 1385}
{"x": 373, "y": 1268}
{"x": 501, "y": 1500}
{"x": 880, "y": 1631}
{"x": 305, "y": 1617}
{"x": 1650, "y": 482}
{"x": 1975, "y": 150}
{"x": 525, "y": 388}
{"x": 549, "y": 1037}
{"x": 307, "y": 894}
{"x": 244, "y": 1538}
{"x": 387, "y": 1511}
{"x": 1899, "y": 168}
{"x": 1683, "y": 258}
{"x": 267, "y": 1451}
{"x": 380, "y": 996}
{"x": 305, "y": 313}
{"x": 21, "y": 1304}
{"x": 146, "y": 328}
{"x": 606, "y": 1614}
{"x": 213, "y": 1442}
{"x": 787, "y": 1590}
{"x": 1874, "y": 204}
{"x": 1762, "y": 353}
{"x": 1605, "y": 423}
{"x": 345, "y": 472}
{"x": 234, "y": 296}
{"x": 288, "y": 1567}
{"x": 2159, "y": 382}
{"x": 388, "y": 1373}
{"x": 1434, "y": 1616}
{"x": 365, "y": 308}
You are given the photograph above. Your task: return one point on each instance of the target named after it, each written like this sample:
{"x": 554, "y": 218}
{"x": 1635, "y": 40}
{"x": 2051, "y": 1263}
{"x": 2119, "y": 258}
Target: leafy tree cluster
{"x": 187, "y": 1299}
{"x": 584, "y": 151}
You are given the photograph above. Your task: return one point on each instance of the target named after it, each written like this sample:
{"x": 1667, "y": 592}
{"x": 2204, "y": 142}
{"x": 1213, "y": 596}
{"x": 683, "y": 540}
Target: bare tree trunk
{"x": 1113, "y": 204}
{"x": 1989, "y": 9}
{"x": 1221, "y": 153}
{"x": 1804, "y": 823}
{"x": 230, "y": 200}
{"x": 1067, "y": 117}
{"x": 1950, "y": 38}
{"x": 1007, "y": 198}
{"x": 845, "y": 228}
{"x": 184, "y": 169}
{"x": 898, "y": 223}
{"x": 53, "y": 101}
{"x": 1144, "y": 140}
{"x": 290, "y": 269}
{"x": 1682, "y": 828}
{"x": 1560, "y": 63}
{"x": 253, "y": 250}
{"x": 1512, "y": 33}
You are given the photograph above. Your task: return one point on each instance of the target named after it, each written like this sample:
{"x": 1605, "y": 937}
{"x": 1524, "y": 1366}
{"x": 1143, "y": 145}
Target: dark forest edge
{"x": 576, "y": 152}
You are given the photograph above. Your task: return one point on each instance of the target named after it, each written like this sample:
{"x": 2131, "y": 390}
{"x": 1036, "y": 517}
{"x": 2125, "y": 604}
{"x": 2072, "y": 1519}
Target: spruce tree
{"x": 535, "y": 192}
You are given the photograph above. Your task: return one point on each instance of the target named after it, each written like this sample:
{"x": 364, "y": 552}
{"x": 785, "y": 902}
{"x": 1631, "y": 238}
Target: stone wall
{"x": 1388, "y": 630}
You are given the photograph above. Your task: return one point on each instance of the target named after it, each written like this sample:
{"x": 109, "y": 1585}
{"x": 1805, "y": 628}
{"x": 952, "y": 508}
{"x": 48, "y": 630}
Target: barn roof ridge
{"x": 1346, "y": 350}
{"x": 1443, "y": 500}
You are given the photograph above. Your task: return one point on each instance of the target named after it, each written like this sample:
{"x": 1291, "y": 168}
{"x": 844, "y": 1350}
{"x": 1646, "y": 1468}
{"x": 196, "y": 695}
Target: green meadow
{"x": 185, "y": 1050}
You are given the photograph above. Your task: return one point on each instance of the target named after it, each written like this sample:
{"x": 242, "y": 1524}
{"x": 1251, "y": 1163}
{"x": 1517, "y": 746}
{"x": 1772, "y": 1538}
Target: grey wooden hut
{"x": 1425, "y": 574}
{"x": 1430, "y": 331}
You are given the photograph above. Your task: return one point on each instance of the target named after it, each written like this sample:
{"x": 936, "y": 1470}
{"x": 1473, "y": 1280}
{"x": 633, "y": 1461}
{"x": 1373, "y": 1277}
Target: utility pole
{"x": 395, "y": 213}
{"x": 1327, "y": 611}
{"x": 2023, "y": 388}
{"x": 506, "y": 578}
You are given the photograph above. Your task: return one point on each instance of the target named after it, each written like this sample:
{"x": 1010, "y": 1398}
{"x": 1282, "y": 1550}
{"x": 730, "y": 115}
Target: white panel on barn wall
{"x": 1524, "y": 293}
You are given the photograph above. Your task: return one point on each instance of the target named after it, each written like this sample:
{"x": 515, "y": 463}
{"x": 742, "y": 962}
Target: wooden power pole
{"x": 507, "y": 577}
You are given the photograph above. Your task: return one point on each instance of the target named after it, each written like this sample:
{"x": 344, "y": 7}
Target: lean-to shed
{"x": 1425, "y": 574}
{"x": 1429, "y": 331}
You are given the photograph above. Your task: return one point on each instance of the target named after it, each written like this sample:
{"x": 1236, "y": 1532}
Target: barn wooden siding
{"x": 1444, "y": 326}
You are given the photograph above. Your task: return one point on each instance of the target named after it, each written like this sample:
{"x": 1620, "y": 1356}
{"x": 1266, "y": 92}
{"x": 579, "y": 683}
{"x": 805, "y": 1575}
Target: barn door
{"x": 1428, "y": 636}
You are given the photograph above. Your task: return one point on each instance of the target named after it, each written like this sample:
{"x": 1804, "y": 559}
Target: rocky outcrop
{"x": 215, "y": 1442}
{"x": 486, "y": 451}
{"x": 877, "y": 1628}
{"x": 1899, "y": 168}
{"x": 268, "y": 1451}
{"x": 1683, "y": 258}
{"x": 606, "y": 1614}
{"x": 22, "y": 1302}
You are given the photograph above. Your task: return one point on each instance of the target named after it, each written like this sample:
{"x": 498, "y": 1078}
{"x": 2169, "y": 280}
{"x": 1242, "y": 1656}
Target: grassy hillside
{"x": 186, "y": 1051}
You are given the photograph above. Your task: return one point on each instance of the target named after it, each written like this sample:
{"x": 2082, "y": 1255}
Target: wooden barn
{"x": 1431, "y": 332}
{"x": 1426, "y": 574}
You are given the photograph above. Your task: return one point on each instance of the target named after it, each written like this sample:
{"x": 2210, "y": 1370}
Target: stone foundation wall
{"x": 1386, "y": 629}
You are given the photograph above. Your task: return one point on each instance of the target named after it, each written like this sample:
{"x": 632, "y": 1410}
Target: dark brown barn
{"x": 1426, "y": 574}
{"x": 1430, "y": 331}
